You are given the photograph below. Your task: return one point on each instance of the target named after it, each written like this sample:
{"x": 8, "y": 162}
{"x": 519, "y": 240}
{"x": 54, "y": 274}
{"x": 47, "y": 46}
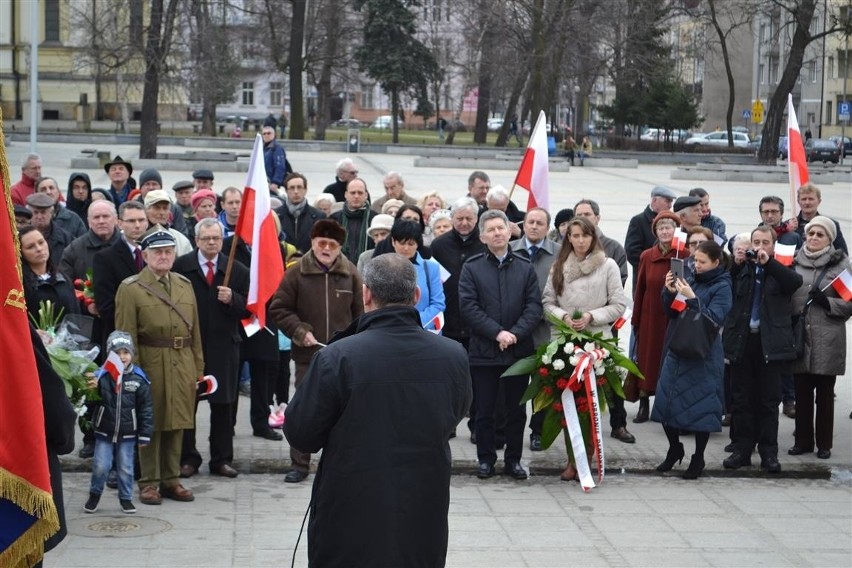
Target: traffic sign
{"x": 746, "y": 114}
{"x": 757, "y": 111}
{"x": 843, "y": 110}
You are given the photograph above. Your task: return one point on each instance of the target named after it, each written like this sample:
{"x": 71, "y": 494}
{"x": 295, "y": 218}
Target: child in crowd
{"x": 125, "y": 417}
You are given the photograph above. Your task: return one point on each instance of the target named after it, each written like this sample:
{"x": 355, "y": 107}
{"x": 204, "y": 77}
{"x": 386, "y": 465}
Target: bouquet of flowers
{"x": 573, "y": 377}
{"x": 74, "y": 366}
{"x": 84, "y": 290}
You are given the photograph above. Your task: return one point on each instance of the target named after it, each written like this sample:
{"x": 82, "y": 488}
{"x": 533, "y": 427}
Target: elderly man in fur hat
{"x": 318, "y": 297}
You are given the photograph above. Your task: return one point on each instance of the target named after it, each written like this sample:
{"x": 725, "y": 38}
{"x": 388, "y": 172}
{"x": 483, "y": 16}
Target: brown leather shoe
{"x": 225, "y": 470}
{"x": 178, "y": 493}
{"x": 570, "y": 473}
{"x": 187, "y": 470}
{"x": 150, "y": 495}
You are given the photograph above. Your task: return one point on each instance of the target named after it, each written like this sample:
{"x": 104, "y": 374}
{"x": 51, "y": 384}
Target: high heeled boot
{"x": 696, "y": 466}
{"x": 675, "y": 454}
{"x": 644, "y": 405}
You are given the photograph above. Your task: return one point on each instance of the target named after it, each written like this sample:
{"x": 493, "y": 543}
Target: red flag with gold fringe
{"x": 27, "y": 513}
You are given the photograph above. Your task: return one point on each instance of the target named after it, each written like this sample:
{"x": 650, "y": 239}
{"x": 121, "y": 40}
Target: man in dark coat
{"x": 640, "y": 236}
{"x": 381, "y": 493}
{"x": 345, "y": 172}
{"x": 220, "y": 310}
{"x": 501, "y": 302}
{"x": 274, "y": 159}
{"x": 42, "y": 206}
{"x": 296, "y": 216}
{"x": 758, "y": 340}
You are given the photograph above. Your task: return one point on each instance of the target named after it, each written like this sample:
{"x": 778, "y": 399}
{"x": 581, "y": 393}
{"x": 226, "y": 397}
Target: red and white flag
{"x": 785, "y": 253}
{"x": 679, "y": 303}
{"x": 256, "y": 228}
{"x": 534, "y": 172}
{"x": 679, "y": 240}
{"x": 436, "y": 324}
{"x": 843, "y": 285}
{"x": 115, "y": 368}
{"x": 619, "y": 323}
{"x": 797, "y": 161}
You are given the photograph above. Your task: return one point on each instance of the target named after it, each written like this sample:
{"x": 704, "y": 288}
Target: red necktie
{"x": 209, "y": 273}
{"x": 137, "y": 257}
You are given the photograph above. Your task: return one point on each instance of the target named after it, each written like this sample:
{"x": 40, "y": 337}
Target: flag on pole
{"x": 843, "y": 285}
{"x": 785, "y": 253}
{"x": 256, "y": 228}
{"x": 679, "y": 240}
{"x": 679, "y": 303}
{"x": 115, "y": 368}
{"x": 797, "y": 162}
{"x": 619, "y": 323}
{"x": 533, "y": 173}
{"x": 27, "y": 511}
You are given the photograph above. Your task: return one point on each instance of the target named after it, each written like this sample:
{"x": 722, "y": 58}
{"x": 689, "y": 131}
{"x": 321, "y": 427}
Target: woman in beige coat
{"x": 585, "y": 283}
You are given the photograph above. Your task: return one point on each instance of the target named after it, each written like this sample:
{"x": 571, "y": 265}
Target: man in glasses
{"x": 318, "y": 297}
{"x": 346, "y": 171}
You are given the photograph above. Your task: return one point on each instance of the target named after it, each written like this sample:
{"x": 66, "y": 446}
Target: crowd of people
{"x": 488, "y": 276}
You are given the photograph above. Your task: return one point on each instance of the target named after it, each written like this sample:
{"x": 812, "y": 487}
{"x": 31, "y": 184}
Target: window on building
{"x": 137, "y": 10}
{"x": 761, "y": 73}
{"x": 843, "y": 63}
{"x": 773, "y": 71}
{"x": 276, "y": 93}
{"x": 248, "y": 93}
{"x": 51, "y": 20}
{"x": 829, "y": 116}
{"x": 830, "y": 68}
{"x": 367, "y": 97}
{"x": 812, "y": 70}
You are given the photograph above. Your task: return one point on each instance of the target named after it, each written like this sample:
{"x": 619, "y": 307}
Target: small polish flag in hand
{"x": 436, "y": 324}
{"x": 679, "y": 303}
{"x": 115, "y": 368}
{"x": 619, "y": 323}
{"x": 843, "y": 285}
{"x": 785, "y": 253}
{"x": 679, "y": 240}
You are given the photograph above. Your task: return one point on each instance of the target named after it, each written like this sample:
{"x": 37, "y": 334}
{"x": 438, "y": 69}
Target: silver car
{"x": 741, "y": 139}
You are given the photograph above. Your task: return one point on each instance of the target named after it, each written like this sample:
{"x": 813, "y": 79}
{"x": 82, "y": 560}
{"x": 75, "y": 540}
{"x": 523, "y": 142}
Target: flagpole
{"x": 230, "y": 265}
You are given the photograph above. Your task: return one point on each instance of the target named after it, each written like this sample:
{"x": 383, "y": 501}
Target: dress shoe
{"x": 799, "y": 450}
{"x": 790, "y": 409}
{"x": 823, "y": 454}
{"x": 644, "y": 410}
{"x": 726, "y": 420}
{"x": 225, "y": 470}
{"x": 770, "y": 464}
{"x": 535, "y": 443}
{"x": 736, "y": 460}
{"x": 515, "y": 470}
{"x": 87, "y": 451}
{"x": 188, "y": 470}
{"x": 732, "y": 447}
{"x": 473, "y": 437}
{"x": 178, "y": 493}
{"x": 295, "y": 476}
{"x": 696, "y": 466}
{"x": 269, "y": 434}
{"x": 675, "y": 454}
{"x": 112, "y": 479}
{"x": 150, "y": 495}
{"x": 485, "y": 470}
{"x": 622, "y": 435}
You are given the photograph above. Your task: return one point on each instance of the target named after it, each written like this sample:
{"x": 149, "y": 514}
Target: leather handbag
{"x": 693, "y": 335}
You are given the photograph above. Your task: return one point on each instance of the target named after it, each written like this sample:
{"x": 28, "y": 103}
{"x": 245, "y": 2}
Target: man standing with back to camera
{"x": 382, "y": 489}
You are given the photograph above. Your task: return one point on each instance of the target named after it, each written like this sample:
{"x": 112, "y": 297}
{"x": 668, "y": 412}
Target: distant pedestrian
{"x": 442, "y": 127}
{"x": 514, "y": 130}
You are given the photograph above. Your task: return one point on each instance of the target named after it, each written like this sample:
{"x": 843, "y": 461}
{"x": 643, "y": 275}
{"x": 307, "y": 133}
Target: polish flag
{"x": 619, "y": 323}
{"x": 843, "y": 285}
{"x": 115, "y": 368}
{"x": 679, "y": 240}
{"x": 785, "y": 253}
{"x": 445, "y": 274}
{"x": 256, "y": 228}
{"x": 679, "y": 303}
{"x": 533, "y": 173}
{"x": 436, "y": 323}
{"x": 797, "y": 162}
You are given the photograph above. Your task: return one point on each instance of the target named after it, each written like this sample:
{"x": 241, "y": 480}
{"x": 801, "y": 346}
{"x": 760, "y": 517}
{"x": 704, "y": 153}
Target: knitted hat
{"x": 664, "y": 215}
{"x": 380, "y": 223}
{"x": 328, "y": 229}
{"x": 120, "y": 340}
{"x": 563, "y": 216}
{"x": 201, "y": 195}
{"x": 390, "y": 204}
{"x": 825, "y": 224}
{"x": 150, "y": 174}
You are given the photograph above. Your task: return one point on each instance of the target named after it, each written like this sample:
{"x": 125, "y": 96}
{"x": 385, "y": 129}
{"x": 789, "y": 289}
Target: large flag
{"x": 27, "y": 512}
{"x": 797, "y": 162}
{"x": 256, "y": 227}
{"x": 533, "y": 173}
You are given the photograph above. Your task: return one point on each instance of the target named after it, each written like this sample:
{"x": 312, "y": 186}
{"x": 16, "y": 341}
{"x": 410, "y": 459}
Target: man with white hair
{"x": 30, "y": 174}
{"x": 498, "y": 198}
{"x": 346, "y": 171}
{"x": 394, "y": 189}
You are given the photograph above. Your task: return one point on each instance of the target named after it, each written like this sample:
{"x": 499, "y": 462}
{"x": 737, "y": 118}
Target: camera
{"x": 751, "y": 254}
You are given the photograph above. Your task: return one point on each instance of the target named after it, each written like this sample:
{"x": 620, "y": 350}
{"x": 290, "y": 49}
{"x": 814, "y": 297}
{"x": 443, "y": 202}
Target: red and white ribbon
{"x": 584, "y": 377}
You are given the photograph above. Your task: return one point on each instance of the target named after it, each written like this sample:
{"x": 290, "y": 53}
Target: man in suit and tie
{"x": 220, "y": 309}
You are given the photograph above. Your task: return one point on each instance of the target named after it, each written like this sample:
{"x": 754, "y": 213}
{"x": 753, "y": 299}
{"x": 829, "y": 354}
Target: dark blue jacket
{"x": 128, "y": 415}
{"x": 494, "y": 297}
{"x": 689, "y": 391}
{"x": 275, "y": 161}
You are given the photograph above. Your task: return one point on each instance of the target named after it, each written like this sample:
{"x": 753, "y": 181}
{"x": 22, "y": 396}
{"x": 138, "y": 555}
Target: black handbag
{"x": 693, "y": 335}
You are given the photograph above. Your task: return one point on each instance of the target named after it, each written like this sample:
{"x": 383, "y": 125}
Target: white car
{"x": 383, "y": 122}
{"x": 741, "y": 140}
{"x": 654, "y": 134}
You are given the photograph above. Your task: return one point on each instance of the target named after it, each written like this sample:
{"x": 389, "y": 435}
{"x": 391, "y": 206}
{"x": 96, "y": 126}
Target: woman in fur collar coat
{"x": 585, "y": 281}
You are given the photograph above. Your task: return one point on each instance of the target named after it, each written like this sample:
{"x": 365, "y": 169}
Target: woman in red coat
{"x": 649, "y": 319}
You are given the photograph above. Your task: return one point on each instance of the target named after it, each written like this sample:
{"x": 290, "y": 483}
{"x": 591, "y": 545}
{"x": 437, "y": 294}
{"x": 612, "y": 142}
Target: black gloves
{"x": 819, "y": 298}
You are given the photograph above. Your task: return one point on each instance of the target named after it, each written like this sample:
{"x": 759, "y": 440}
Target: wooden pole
{"x": 234, "y": 245}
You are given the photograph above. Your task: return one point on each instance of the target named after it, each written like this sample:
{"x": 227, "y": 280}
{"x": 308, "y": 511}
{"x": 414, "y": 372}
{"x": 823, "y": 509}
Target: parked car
{"x": 754, "y": 143}
{"x": 846, "y": 142}
{"x": 719, "y": 139}
{"x": 822, "y": 150}
{"x": 383, "y": 122}
{"x": 660, "y": 134}
{"x": 782, "y": 148}
{"x": 347, "y": 123}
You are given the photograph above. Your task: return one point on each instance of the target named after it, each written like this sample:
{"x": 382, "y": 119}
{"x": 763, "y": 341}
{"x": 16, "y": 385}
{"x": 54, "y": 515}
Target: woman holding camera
{"x": 824, "y": 356}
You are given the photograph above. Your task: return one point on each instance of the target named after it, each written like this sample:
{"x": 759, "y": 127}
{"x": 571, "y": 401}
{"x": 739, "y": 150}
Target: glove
{"x": 819, "y": 298}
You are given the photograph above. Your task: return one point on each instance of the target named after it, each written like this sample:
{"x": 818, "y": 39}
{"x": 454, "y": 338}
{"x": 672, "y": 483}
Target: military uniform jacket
{"x": 173, "y": 371}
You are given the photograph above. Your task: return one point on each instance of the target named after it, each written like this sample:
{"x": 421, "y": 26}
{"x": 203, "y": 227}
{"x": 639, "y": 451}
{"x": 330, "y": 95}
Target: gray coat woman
{"x": 824, "y": 356}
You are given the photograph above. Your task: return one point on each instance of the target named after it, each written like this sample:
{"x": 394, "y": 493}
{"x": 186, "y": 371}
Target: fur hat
{"x": 664, "y": 215}
{"x": 563, "y": 216}
{"x": 825, "y": 224}
{"x": 328, "y": 229}
{"x": 120, "y": 340}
